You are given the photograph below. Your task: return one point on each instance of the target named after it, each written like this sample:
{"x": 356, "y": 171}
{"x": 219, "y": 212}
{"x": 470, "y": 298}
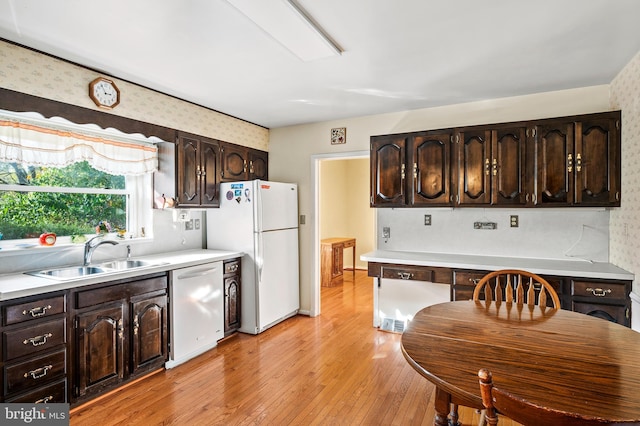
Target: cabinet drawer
{"x": 53, "y": 393}
{"x": 232, "y": 267}
{"x": 349, "y": 243}
{"x": 470, "y": 278}
{"x": 601, "y": 290}
{"x": 119, "y": 291}
{"x": 34, "y": 339}
{"x": 613, "y": 313}
{"x": 35, "y": 371}
{"x": 41, "y": 308}
{"x": 408, "y": 273}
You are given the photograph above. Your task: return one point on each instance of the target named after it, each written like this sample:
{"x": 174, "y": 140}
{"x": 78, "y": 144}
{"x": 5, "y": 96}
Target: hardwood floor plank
{"x": 336, "y": 369}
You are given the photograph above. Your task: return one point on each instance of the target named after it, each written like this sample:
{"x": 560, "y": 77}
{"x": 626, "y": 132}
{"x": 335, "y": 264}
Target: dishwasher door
{"x": 197, "y": 311}
{"x": 402, "y": 292}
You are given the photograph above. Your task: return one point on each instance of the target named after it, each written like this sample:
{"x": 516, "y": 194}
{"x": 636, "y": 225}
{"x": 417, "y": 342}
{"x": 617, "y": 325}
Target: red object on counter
{"x": 48, "y": 239}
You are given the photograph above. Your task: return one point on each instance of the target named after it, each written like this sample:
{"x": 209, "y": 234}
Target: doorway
{"x": 340, "y": 185}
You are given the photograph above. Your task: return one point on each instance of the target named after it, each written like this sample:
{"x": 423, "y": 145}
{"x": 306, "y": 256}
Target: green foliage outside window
{"x": 28, "y": 214}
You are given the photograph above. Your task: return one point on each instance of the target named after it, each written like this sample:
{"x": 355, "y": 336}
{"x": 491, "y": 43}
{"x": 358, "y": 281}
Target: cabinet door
{"x": 100, "y": 349}
{"x": 188, "y": 156}
{"x": 597, "y": 162}
{"x": 430, "y": 161}
{"x": 258, "y": 165}
{"x": 554, "y": 163}
{"x": 474, "y": 167}
{"x": 209, "y": 171}
{"x": 233, "y": 162}
{"x": 388, "y": 170}
{"x": 231, "y": 304}
{"x": 149, "y": 333}
{"x": 508, "y": 166}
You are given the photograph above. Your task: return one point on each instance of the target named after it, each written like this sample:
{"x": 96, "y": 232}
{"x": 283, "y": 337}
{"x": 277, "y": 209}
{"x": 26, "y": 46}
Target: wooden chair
{"x": 513, "y": 285}
{"x": 497, "y": 401}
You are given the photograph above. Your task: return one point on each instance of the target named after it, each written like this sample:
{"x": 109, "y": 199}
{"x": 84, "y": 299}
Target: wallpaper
{"x": 26, "y": 71}
{"x": 625, "y": 221}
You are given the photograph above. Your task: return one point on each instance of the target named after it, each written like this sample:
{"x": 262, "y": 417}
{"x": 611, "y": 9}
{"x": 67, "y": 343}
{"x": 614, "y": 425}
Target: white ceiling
{"x": 399, "y": 54}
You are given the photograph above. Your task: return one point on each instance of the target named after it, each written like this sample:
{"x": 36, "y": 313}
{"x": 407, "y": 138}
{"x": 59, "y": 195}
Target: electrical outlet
{"x": 427, "y": 220}
{"x": 386, "y": 232}
{"x": 197, "y": 223}
{"x": 188, "y": 225}
{"x": 514, "y": 221}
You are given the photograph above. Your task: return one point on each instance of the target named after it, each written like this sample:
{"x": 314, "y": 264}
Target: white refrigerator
{"x": 260, "y": 219}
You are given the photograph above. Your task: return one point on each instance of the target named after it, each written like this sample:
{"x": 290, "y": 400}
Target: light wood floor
{"x": 335, "y": 369}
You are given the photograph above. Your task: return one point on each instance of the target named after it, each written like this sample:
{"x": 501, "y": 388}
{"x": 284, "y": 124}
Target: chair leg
{"x": 483, "y": 418}
{"x": 453, "y": 415}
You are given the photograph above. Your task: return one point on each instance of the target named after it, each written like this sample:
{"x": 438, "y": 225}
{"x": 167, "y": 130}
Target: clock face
{"x": 104, "y": 92}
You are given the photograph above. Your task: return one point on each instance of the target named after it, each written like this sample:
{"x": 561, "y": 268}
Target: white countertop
{"x": 570, "y": 268}
{"x": 19, "y": 285}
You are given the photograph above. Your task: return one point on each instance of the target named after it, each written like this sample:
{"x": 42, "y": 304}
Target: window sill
{"x": 32, "y": 246}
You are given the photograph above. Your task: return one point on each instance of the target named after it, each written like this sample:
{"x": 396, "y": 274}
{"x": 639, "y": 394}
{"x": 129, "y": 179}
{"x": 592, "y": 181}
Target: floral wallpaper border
{"x": 30, "y": 72}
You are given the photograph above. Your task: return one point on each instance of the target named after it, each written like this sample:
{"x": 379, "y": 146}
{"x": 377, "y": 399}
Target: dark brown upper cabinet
{"x": 411, "y": 170}
{"x": 242, "y": 163}
{"x": 578, "y": 161}
{"x": 569, "y": 161}
{"x": 198, "y": 162}
{"x": 492, "y": 164}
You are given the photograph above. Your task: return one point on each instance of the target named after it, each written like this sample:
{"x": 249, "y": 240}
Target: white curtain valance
{"x": 54, "y": 143}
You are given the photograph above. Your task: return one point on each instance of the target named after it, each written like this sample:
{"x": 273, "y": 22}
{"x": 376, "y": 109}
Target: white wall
{"x": 291, "y": 148}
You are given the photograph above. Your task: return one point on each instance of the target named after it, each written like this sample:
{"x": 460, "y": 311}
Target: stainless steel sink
{"x": 70, "y": 272}
{"x": 75, "y": 272}
{"x": 126, "y": 264}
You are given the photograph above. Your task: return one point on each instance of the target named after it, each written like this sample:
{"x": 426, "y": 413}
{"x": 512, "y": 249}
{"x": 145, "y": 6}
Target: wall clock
{"x": 104, "y": 92}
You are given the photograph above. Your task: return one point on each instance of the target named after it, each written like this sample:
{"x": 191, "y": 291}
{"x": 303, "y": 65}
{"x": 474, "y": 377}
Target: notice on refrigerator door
{"x": 239, "y": 193}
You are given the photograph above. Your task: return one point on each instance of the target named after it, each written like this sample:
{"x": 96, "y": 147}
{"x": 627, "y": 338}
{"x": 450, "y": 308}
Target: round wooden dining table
{"x": 554, "y": 358}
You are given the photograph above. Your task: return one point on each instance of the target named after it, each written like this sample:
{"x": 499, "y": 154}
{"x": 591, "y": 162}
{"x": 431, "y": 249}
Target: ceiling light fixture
{"x": 289, "y": 24}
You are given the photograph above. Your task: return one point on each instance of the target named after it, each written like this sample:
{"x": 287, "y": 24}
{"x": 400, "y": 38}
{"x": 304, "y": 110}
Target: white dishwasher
{"x": 197, "y": 311}
{"x": 402, "y": 292}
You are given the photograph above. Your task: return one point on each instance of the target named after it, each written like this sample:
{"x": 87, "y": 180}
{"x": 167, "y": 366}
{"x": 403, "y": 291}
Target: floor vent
{"x": 393, "y": 325}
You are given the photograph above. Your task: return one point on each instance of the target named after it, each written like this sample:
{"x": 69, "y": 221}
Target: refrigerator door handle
{"x": 260, "y": 256}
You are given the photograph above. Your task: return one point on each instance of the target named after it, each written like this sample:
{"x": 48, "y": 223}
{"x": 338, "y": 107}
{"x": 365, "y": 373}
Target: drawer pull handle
{"x": 405, "y": 275}
{"x": 600, "y": 292}
{"x": 38, "y": 340}
{"x": 37, "y": 312}
{"x": 38, "y": 373}
{"x": 44, "y": 400}
{"x": 475, "y": 281}
{"x": 233, "y": 268}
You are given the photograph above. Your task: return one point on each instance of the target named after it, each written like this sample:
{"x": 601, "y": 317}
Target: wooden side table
{"x": 332, "y": 260}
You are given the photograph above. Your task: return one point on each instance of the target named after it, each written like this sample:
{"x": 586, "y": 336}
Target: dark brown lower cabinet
{"x": 231, "y": 296}
{"x": 603, "y": 298}
{"x": 120, "y": 333}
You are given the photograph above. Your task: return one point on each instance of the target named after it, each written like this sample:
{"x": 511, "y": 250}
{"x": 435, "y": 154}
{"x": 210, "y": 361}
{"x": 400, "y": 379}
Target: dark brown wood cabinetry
{"x": 492, "y": 166}
{"x": 578, "y": 161}
{"x": 231, "y": 296}
{"x": 570, "y": 161}
{"x": 120, "y": 333}
{"x": 190, "y": 171}
{"x": 34, "y": 355}
{"x": 411, "y": 169}
{"x": 241, "y": 163}
{"x": 198, "y": 162}
{"x": 603, "y": 298}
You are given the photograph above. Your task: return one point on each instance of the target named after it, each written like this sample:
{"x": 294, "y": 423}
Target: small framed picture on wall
{"x": 338, "y": 135}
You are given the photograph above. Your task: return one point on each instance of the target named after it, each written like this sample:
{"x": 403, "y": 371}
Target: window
{"x": 67, "y": 201}
{"x": 69, "y": 180}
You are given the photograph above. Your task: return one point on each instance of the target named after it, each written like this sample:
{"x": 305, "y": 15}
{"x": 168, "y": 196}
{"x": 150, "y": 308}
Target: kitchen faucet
{"x": 90, "y": 247}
